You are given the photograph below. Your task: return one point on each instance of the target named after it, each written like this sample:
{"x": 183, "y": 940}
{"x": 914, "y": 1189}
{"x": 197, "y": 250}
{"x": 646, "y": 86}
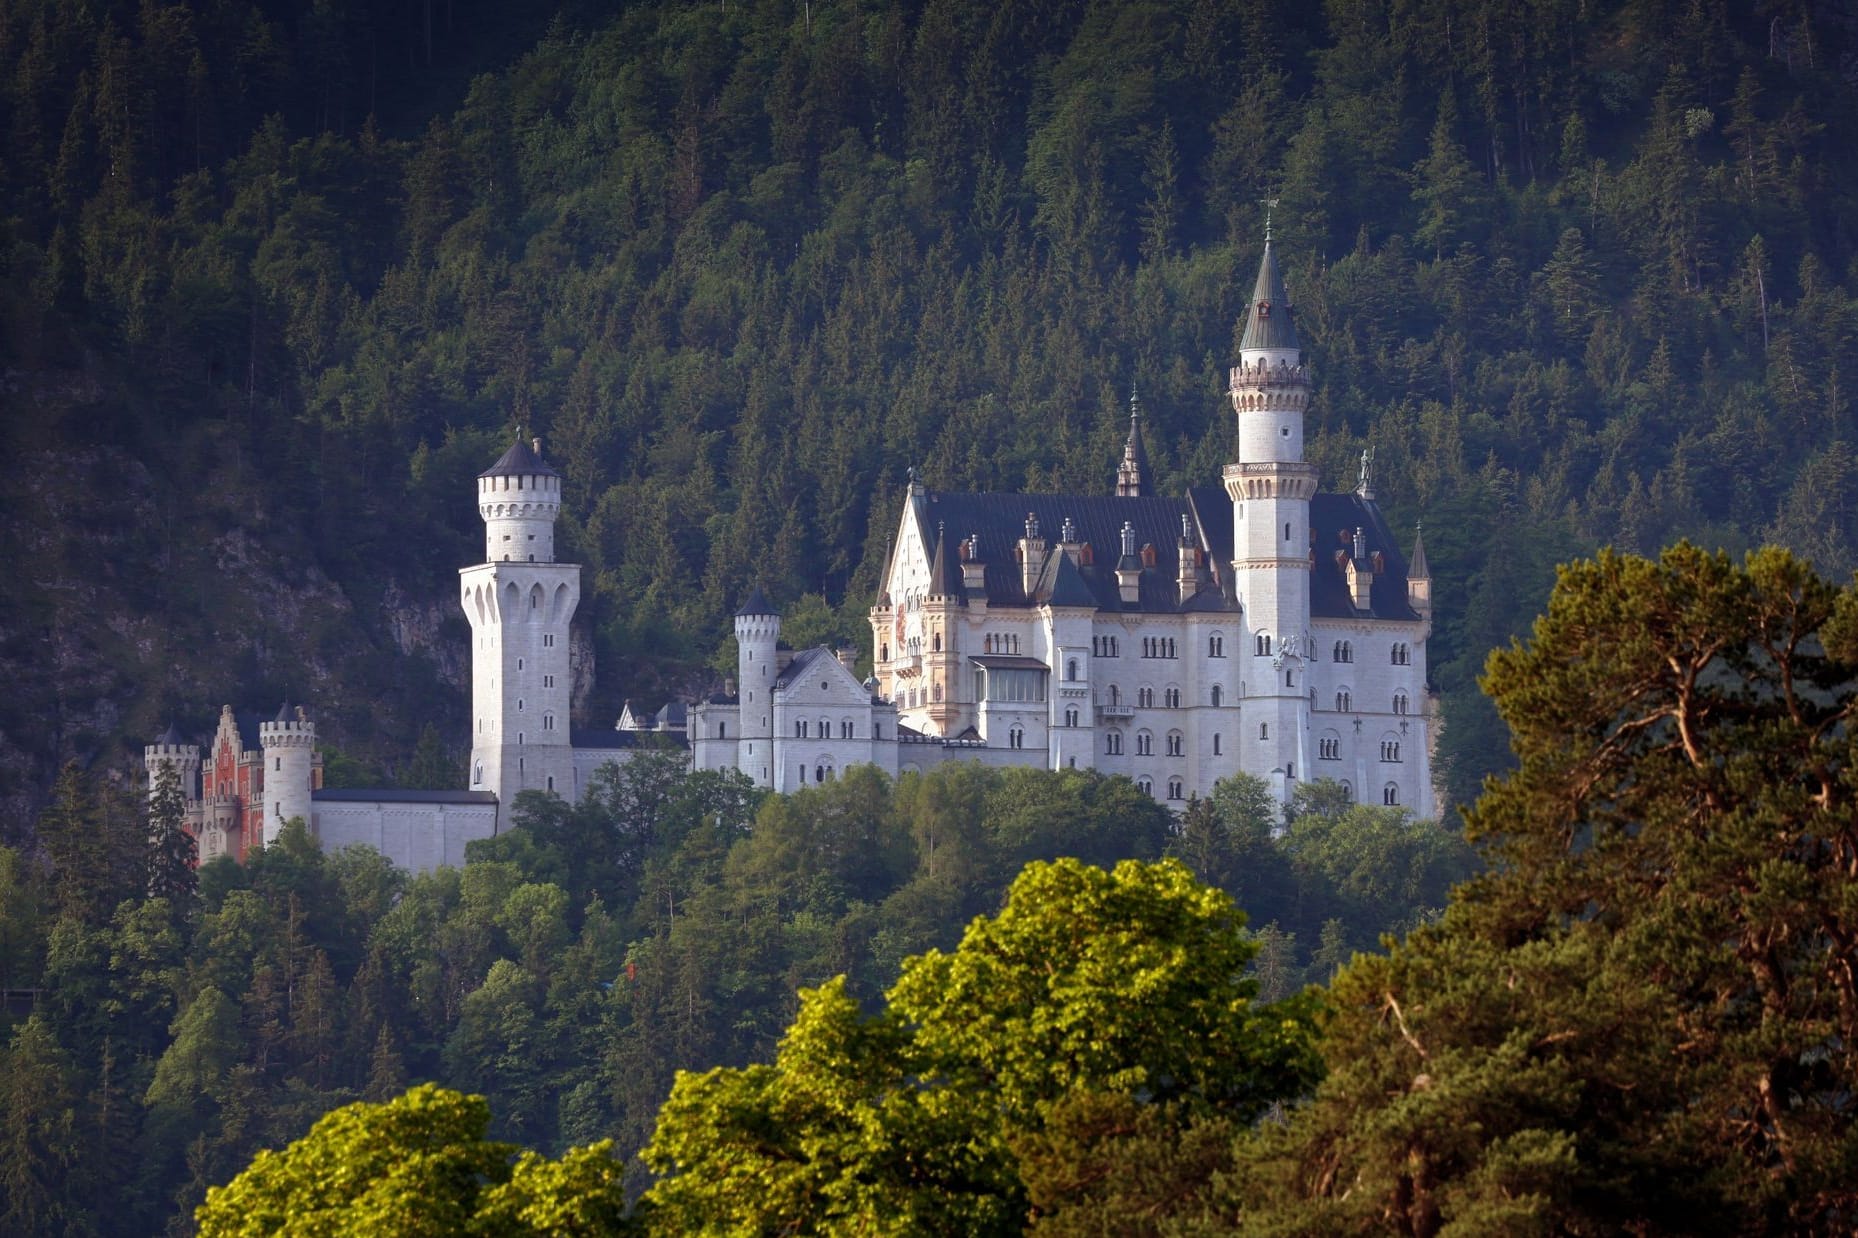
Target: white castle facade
{"x": 1259, "y": 626}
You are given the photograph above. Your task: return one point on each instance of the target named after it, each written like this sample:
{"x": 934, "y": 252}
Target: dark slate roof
{"x": 520, "y": 459}
{"x": 391, "y": 795}
{"x": 998, "y": 521}
{"x": 672, "y": 715}
{"x": 1417, "y": 569}
{"x": 1007, "y": 662}
{"x": 172, "y": 736}
{"x": 757, "y": 604}
{"x": 804, "y": 664}
{"x": 1334, "y": 518}
{"x": 1068, "y": 587}
{"x": 283, "y": 713}
{"x": 1268, "y": 319}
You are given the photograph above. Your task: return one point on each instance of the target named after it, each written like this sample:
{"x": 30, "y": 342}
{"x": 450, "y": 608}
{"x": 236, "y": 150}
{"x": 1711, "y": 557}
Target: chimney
{"x": 1129, "y": 568}
{"x": 1069, "y": 542}
{"x": 973, "y": 571}
{"x": 535, "y": 445}
{"x": 1031, "y": 555}
{"x": 1361, "y": 574}
{"x": 846, "y": 656}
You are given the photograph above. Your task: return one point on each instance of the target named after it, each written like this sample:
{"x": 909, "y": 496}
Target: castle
{"x": 519, "y": 603}
{"x": 1260, "y": 626}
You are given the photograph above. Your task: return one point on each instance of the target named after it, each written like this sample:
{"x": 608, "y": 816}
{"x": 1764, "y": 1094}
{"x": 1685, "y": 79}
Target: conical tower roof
{"x": 520, "y": 458}
{"x": 1268, "y": 321}
{"x": 1416, "y": 568}
{"x": 171, "y": 737}
{"x": 757, "y": 604}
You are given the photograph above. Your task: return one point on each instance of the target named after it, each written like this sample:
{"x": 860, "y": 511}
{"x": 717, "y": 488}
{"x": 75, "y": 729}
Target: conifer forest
{"x": 277, "y": 280}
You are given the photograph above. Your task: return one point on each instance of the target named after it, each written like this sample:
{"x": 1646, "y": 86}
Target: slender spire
{"x": 1268, "y": 322}
{"x": 1132, "y": 473}
{"x": 1416, "y": 568}
{"x": 945, "y": 569}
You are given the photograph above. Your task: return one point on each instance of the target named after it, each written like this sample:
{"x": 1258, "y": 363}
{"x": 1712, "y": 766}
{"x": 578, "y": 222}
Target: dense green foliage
{"x": 1580, "y": 272}
{"x": 1641, "y": 1019}
{"x": 162, "y": 1032}
{"x": 1126, "y": 986}
{"x": 1638, "y": 1020}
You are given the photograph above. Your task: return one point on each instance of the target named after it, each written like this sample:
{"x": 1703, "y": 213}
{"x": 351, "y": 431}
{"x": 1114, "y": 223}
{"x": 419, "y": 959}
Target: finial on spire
{"x": 1135, "y": 403}
{"x": 1270, "y": 204}
{"x": 1132, "y": 470}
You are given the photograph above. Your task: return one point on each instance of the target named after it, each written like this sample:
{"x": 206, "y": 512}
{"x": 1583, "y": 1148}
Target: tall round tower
{"x": 1271, "y": 487}
{"x": 519, "y": 497}
{"x": 757, "y": 633}
{"x": 175, "y": 751}
{"x": 519, "y": 603}
{"x": 288, "y": 743}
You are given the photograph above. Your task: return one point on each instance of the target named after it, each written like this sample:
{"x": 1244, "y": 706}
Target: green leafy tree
{"x": 1088, "y": 983}
{"x": 418, "y": 1164}
{"x": 173, "y": 854}
{"x": 1634, "y": 1019}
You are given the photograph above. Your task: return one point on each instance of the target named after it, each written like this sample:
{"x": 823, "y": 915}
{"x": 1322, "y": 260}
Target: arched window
{"x": 1175, "y": 743}
{"x": 885, "y": 655}
{"x": 722, "y": 730}
{"x": 477, "y": 773}
{"x": 551, "y": 782}
{"x": 1070, "y": 717}
{"x": 1343, "y": 700}
{"x": 1215, "y": 646}
{"x": 1174, "y": 789}
{"x": 1145, "y": 698}
{"x": 1016, "y": 738}
{"x": 1264, "y": 730}
{"x": 1113, "y": 743}
{"x": 1172, "y": 698}
{"x": 1262, "y": 645}
{"x": 1218, "y": 696}
{"x": 1215, "y": 743}
{"x": 1145, "y": 785}
{"x": 935, "y": 643}
{"x": 1116, "y": 695}
{"x": 1144, "y": 744}
{"x": 1399, "y": 702}
{"x": 1390, "y": 794}
{"x": 1070, "y": 670}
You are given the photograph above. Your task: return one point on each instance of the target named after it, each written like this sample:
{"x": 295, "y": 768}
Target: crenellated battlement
{"x": 298, "y": 734}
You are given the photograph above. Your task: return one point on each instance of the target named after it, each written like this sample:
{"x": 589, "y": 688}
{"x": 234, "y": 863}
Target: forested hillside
{"x": 278, "y": 281}
{"x": 159, "y": 1027}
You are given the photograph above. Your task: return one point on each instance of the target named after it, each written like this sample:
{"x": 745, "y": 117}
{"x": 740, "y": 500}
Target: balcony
{"x": 1118, "y": 709}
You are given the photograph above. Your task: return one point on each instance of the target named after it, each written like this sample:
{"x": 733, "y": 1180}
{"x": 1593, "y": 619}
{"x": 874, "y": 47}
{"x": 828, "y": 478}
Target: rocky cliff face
{"x": 130, "y": 601}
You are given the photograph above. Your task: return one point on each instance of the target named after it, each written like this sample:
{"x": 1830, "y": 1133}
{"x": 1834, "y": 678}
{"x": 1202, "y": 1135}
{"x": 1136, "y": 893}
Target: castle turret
{"x": 288, "y": 743}
{"x": 519, "y": 497}
{"x": 1132, "y": 472}
{"x": 757, "y": 636}
{"x": 1271, "y": 487}
{"x": 519, "y": 604}
{"x": 1419, "y": 576}
{"x": 1031, "y": 555}
{"x": 172, "y": 750}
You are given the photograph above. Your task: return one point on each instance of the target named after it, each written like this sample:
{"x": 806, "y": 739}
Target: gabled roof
{"x": 813, "y": 661}
{"x": 520, "y": 459}
{"x": 1333, "y": 520}
{"x": 1268, "y": 319}
{"x": 997, "y": 522}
